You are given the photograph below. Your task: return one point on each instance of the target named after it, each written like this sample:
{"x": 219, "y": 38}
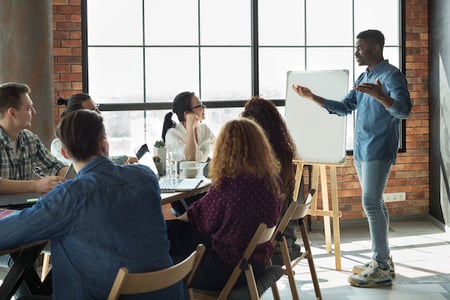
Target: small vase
{"x": 162, "y": 153}
{"x": 161, "y": 168}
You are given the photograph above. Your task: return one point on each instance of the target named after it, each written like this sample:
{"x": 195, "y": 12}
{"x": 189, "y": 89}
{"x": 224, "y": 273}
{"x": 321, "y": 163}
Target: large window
{"x": 141, "y": 53}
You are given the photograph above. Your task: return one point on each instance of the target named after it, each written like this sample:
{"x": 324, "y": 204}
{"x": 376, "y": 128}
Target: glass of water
{"x": 173, "y": 165}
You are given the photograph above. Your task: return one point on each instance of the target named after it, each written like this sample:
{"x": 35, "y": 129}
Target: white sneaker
{"x": 360, "y": 268}
{"x": 373, "y": 276}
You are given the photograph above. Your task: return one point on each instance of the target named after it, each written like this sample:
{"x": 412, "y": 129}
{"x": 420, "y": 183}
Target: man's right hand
{"x": 46, "y": 184}
{"x": 306, "y": 93}
{"x": 303, "y": 91}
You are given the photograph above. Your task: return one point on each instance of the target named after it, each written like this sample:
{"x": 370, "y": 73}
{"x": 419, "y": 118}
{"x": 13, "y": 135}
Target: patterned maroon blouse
{"x": 232, "y": 214}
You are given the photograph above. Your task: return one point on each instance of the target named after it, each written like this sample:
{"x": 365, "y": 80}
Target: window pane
{"x": 274, "y": 64}
{"x": 114, "y": 22}
{"x": 225, "y": 73}
{"x": 125, "y": 131}
{"x": 329, "y": 22}
{"x": 331, "y": 59}
{"x": 171, "y": 22}
{"x": 137, "y": 127}
{"x": 171, "y": 71}
{"x": 368, "y": 15}
{"x": 217, "y": 117}
{"x": 392, "y": 54}
{"x": 225, "y": 22}
{"x": 281, "y": 22}
{"x": 116, "y": 74}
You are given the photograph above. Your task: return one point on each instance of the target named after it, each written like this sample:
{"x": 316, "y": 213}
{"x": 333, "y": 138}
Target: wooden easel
{"x": 320, "y": 170}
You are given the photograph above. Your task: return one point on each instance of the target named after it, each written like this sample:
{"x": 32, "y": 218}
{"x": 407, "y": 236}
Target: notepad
{"x": 179, "y": 184}
{"x": 7, "y": 212}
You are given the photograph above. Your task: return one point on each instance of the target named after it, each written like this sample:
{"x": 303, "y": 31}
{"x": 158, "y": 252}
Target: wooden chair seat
{"x": 254, "y": 288}
{"x": 263, "y": 282}
{"x": 140, "y": 283}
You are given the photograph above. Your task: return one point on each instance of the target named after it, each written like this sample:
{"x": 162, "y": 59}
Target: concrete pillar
{"x": 26, "y": 55}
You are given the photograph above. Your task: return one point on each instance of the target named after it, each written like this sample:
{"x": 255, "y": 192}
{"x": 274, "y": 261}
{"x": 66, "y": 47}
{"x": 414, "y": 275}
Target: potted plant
{"x": 160, "y": 151}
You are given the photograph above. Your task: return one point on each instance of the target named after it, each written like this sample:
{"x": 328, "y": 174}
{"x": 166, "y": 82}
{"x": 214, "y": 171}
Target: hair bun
{"x": 62, "y": 101}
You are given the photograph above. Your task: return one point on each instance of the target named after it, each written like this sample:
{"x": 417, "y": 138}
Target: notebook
{"x": 22, "y": 200}
{"x": 145, "y": 158}
{"x": 168, "y": 185}
{"x": 8, "y": 212}
{"x": 70, "y": 173}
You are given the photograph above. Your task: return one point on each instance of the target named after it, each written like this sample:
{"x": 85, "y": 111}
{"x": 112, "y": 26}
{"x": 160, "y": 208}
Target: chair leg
{"x": 289, "y": 270}
{"x": 250, "y": 276}
{"x": 45, "y": 266}
{"x": 274, "y": 288}
{"x": 275, "y": 292}
{"x": 309, "y": 256}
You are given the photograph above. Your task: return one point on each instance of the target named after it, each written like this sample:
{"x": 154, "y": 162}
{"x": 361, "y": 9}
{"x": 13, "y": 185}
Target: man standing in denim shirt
{"x": 382, "y": 100}
{"x": 106, "y": 218}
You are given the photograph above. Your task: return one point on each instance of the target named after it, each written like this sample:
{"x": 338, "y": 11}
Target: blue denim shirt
{"x": 108, "y": 217}
{"x": 377, "y": 128}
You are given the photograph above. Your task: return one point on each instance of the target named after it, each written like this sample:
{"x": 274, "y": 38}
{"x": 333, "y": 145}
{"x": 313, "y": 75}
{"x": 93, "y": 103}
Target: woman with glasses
{"x": 190, "y": 139}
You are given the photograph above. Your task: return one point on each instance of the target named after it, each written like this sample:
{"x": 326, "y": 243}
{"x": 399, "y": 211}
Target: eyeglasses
{"x": 199, "y": 105}
{"x": 95, "y": 108}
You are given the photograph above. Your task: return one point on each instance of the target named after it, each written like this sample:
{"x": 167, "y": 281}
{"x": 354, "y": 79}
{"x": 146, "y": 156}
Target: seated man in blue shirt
{"x": 382, "y": 100}
{"x": 108, "y": 217}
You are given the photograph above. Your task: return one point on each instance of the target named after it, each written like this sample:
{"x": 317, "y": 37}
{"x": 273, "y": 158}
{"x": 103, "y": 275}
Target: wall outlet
{"x": 394, "y": 197}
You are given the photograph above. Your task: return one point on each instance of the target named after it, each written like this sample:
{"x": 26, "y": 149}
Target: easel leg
{"x": 336, "y": 216}
{"x": 325, "y": 206}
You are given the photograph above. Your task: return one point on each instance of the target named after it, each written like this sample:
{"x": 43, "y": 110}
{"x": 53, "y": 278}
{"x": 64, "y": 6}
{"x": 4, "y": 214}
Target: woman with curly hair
{"x": 266, "y": 114}
{"x": 246, "y": 191}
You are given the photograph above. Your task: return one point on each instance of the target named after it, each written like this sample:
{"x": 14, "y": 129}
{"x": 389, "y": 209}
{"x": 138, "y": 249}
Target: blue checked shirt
{"x": 377, "y": 128}
{"x": 31, "y": 157}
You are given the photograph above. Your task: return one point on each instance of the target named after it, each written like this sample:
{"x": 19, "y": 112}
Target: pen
{"x": 198, "y": 184}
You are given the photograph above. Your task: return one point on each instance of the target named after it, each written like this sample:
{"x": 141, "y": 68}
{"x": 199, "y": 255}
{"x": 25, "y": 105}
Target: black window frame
{"x": 254, "y": 72}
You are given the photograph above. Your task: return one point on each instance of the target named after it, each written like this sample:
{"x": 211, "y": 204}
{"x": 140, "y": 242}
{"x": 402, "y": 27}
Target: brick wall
{"x": 66, "y": 50}
{"x": 409, "y": 175}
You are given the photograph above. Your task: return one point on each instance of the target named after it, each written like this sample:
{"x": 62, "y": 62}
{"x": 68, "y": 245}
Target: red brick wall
{"x": 66, "y": 49}
{"x": 409, "y": 175}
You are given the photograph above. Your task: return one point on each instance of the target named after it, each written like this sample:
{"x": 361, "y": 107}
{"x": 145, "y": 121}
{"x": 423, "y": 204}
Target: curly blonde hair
{"x": 242, "y": 148}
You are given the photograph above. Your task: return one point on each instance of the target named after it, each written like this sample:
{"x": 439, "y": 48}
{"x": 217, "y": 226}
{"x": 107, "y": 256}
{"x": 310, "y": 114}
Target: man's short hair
{"x": 10, "y": 94}
{"x": 80, "y": 132}
{"x": 372, "y": 35}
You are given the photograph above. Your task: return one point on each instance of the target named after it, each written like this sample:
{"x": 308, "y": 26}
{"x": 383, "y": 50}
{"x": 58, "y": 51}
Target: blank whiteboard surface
{"x": 320, "y": 137}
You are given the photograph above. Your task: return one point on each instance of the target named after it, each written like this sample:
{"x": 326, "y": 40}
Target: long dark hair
{"x": 181, "y": 104}
{"x": 266, "y": 114}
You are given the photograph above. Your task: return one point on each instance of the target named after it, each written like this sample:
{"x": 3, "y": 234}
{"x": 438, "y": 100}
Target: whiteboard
{"x": 320, "y": 137}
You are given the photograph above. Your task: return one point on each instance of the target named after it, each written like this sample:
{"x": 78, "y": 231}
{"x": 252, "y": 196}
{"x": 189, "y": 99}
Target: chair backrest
{"x": 139, "y": 283}
{"x": 294, "y": 211}
{"x": 262, "y": 235}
